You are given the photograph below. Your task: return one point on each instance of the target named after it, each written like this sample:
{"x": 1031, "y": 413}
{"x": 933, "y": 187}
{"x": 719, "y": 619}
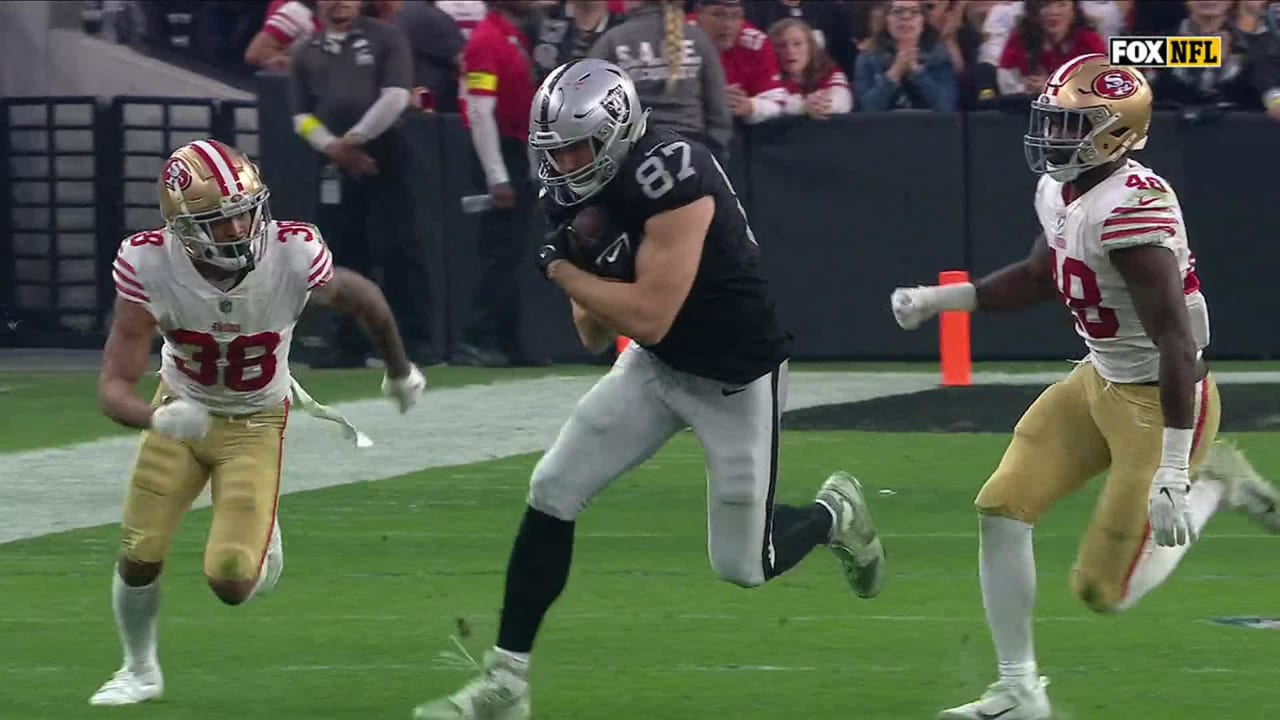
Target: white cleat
{"x": 128, "y": 687}
{"x": 1006, "y": 700}
{"x": 275, "y": 559}
{"x": 273, "y": 564}
{"x": 500, "y": 693}
{"x": 853, "y": 535}
{"x": 1246, "y": 492}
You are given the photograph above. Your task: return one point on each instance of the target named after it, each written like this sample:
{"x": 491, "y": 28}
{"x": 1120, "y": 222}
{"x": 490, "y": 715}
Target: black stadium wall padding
{"x": 844, "y": 211}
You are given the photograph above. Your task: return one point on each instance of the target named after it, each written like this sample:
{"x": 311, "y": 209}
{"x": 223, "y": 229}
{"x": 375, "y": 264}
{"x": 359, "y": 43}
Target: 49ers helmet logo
{"x": 176, "y": 175}
{"x": 1115, "y": 85}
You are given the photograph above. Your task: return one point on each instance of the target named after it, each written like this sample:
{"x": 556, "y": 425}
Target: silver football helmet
{"x": 592, "y": 101}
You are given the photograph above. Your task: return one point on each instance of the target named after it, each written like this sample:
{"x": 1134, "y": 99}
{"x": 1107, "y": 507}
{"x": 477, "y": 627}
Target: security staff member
{"x": 349, "y": 85}
{"x": 498, "y": 87}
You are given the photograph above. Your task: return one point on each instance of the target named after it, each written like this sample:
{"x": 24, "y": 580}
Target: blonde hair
{"x": 673, "y": 40}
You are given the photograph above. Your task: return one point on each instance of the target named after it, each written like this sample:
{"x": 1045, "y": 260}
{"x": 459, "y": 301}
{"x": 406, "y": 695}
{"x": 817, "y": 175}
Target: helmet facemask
{"x": 196, "y": 233}
{"x": 1065, "y": 142}
{"x": 609, "y": 145}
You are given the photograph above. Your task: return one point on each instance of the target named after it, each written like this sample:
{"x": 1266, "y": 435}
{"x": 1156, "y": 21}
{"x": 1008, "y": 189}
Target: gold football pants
{"x": 241, "y": 459}
{"x": 1076, "y": 429}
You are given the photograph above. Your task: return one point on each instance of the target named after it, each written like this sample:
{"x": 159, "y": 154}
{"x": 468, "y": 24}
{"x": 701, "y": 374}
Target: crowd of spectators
{"x": 703, "y": 66}
{"x": 819, "y": 57}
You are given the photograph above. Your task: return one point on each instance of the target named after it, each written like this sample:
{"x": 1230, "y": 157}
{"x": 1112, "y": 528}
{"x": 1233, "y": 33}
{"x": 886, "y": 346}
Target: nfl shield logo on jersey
{"x": 224, "y": 306}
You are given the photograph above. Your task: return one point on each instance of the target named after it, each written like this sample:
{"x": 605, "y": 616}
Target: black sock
{"x": 796, "y": 531}
{"x": 536, "y": 573}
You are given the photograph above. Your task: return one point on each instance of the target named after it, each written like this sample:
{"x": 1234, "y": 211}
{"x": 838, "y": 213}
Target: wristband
{"x": 960, "y": 296}
{"x": 1176, "y": 452}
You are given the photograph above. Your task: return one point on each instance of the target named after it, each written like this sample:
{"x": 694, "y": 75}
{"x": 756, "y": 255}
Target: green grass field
{"x": 380, "y": 575}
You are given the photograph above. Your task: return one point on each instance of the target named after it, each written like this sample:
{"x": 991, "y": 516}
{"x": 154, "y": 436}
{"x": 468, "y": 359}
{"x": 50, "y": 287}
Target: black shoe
{"x": 473, "y": 356}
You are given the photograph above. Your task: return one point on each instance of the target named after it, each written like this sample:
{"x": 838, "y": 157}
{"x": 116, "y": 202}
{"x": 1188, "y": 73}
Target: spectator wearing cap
{"x": 569, "y": 32}
{"x": 676, "y": 70}
{"x": 754, "y": 84}
{"x": 1050, "y": 33}
{"x": 906, "y": 67}
{"x": 436, "y": 42}
{"x": 286, "y": 22}
{"x": 831, "y": 22}
{"x": 816, "y": 87}
{"x": 349, "y": 85}
{"x": 498, "y": 94}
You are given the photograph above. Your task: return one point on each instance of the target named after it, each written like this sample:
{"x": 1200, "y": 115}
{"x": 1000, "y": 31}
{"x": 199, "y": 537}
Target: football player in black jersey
{"x": 676, "y": 269}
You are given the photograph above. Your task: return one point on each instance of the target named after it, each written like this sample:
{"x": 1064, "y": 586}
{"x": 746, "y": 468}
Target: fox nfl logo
{"x": 1165, "y": 52}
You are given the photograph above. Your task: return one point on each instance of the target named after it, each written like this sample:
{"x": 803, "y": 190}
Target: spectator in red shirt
{"x": 498, "y": 87}
{"x": 750, "y": 67}
{"x": 287, "y": 21}
{"x": 1050, "y": 33}
{"x": 815, "y": 85}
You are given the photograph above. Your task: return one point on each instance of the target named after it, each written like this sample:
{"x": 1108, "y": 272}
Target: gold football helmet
{"x": 205, "y": 183}
{"x": 1089, "y": 114}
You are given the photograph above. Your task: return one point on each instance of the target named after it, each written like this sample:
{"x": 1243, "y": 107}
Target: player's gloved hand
{"x": 180, "y": 419}
{"x": 555, "y": 246}
{"x": 912, "y": 306}
{"x": 405, "y": 391}
{"x": 1168, "y": 509}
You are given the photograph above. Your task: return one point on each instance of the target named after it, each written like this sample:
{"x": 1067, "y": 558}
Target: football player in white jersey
{"x": 1142, "y": 406}
{"x": 224, "y": 285}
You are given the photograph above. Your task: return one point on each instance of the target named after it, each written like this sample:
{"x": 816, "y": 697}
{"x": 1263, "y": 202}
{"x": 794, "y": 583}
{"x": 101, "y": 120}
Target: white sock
{"x": 1156, "y": 563}
{"x": 136, "y": 609}
{"x": 1007, "y": 569}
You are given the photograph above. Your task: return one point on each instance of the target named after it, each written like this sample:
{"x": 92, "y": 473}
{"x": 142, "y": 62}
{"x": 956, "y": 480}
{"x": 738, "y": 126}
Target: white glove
{"x": 181, "y": 420}
{"x": 406, "y": 390}
{"x": 912, "y": 306}
{"x": 1168, "y": 509}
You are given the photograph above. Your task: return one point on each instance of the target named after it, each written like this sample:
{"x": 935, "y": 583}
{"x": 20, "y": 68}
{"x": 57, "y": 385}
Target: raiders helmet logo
{"x": 615, "y": 104}
{"x": 1115, "y": 85}
{"x": 176, "y": 175}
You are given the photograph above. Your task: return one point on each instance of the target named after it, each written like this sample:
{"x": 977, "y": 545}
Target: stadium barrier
{"x": 844, "y": 210}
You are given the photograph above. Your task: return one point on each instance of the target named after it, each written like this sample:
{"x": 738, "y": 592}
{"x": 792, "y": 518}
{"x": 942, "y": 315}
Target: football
{"x": 599, "y": 246}
{"x": 586, "y": 230}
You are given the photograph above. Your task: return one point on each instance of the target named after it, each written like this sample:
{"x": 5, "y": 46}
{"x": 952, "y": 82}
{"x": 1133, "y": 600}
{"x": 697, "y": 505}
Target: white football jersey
{"x": 1134, "y": 206}
{"x": 227, "y": 350}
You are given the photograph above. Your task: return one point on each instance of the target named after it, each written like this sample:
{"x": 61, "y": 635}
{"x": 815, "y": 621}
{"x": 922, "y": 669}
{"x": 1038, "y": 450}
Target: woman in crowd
{"x": 1050, "y": 33}
{"x": 815, "y": 85}
{"x": 906, "y": 67}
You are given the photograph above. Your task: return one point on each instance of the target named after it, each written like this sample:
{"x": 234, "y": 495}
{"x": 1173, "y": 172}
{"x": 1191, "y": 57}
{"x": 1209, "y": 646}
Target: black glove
{"x": 555, "y": 246}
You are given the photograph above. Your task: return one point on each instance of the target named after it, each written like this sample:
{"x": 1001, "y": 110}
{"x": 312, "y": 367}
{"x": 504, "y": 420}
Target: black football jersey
{"x": 727, "y": 329}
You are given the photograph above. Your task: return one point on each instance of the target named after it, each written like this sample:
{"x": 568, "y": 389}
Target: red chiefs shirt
{"x": 496, "y": 63}
{"x": 835, "y": 79}
{"x": 1079, "y": 42}
{"x": 751, "y": 63}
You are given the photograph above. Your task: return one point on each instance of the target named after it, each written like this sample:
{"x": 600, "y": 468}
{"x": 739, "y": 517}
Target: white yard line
{"x": 82, "y": 485}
